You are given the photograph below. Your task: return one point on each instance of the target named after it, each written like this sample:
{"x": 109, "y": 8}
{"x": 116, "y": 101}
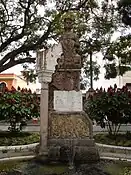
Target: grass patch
{"x": 112, "y": 167}
{"x": 118, "y": 168}
{"x": 118, "y": 140}
{"x": 10, "y": 165}
{"x": 53, "y": 169}
{"x": 39, "y": 169}
{"x": 22, "y": 138}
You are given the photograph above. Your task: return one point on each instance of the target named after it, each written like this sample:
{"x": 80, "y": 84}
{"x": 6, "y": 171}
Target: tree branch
{"x": 81, "y": 4}
{"x": 19, "y": 36}
{"x": 4, "y": 4}
{"x": 12, "y": 63}
{"x": 25, "y": 48}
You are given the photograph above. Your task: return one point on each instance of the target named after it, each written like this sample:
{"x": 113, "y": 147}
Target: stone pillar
{"x": 44, "y": 117}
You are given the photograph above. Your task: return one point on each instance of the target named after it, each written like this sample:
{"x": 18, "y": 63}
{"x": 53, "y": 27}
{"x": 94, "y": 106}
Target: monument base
{"x": 82, "y": 150}
{"x": 70, "y": 137}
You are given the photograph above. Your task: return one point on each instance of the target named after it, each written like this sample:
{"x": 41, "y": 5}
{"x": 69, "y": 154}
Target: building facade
{"x": 10, "y": 79}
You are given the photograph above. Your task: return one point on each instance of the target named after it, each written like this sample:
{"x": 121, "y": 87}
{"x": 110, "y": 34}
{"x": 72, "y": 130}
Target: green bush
{"x": 126, "y": 171}
{"x": 18, "y": 106}
{"x": 18, "y": 138}
{"x": 118, "y": 140}
{"x": 110, "y": 108}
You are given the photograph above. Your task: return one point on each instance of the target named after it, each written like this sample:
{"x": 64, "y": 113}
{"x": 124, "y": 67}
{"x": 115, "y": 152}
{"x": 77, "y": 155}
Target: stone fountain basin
{"x": 29, "y": 151}
{"x": 35, "y": 167}
{"x": 7, "y": 152}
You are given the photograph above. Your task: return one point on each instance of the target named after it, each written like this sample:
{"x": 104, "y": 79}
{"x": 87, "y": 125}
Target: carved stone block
{"x": 69, "y": 125}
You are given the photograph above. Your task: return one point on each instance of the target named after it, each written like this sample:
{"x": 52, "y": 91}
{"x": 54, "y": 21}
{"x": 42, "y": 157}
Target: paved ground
{"x": 36, "y": 127}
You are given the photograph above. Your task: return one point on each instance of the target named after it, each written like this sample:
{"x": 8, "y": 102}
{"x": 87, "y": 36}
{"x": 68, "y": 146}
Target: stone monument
{"x": 68, "y": 125}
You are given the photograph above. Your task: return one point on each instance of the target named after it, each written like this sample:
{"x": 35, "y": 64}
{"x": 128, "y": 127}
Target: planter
{"x": 114, "y": 151}
{"x": 19, "y": 150}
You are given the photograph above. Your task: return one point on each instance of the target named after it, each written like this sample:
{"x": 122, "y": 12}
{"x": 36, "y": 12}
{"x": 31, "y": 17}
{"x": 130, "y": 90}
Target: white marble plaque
{"x": 68, "y": 101}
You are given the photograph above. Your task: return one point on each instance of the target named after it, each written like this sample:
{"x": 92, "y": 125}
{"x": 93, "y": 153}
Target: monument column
{"x": 45, "y": 67}
{"x": 44, "y": 116}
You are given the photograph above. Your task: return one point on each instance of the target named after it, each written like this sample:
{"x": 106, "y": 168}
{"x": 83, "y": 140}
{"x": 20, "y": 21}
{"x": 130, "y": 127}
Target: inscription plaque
{"x": 68, "y": 101}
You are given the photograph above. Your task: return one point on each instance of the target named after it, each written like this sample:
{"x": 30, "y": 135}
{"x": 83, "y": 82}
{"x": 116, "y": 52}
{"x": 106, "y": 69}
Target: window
{"x": 2, "y": 87}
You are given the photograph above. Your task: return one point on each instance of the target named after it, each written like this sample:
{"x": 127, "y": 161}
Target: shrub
{"x": 111, "y": 107}
{"x": 18, "y": 106}
{"x": 126, "y": 171}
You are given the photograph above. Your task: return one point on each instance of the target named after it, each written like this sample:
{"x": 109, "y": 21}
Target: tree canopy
{"x": 23, "y": 28}
{"x": 27, "y": 25}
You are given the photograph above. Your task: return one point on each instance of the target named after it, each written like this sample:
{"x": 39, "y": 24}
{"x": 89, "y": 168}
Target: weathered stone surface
{"x": 69, "y": 125}
{"x": 79, "y": 154}
{"x": 86, "y": 154}
{"x": 66, "y": 80}
{"x": 63, "y": 81}
{"x": 47, "y": 58}
{"x": 70, "y": 46}
{"x": 68, "y": 101}
{"x": 77, "y": 142}
{"x": 67, "y": 71}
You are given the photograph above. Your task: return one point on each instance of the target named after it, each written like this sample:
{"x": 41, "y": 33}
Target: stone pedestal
{"x": 70, "y": 127}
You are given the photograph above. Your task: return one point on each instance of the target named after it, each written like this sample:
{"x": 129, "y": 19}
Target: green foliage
{"x": 111, "y": 107}
{"x": 33, "y": 24}
{"x": 118, "y": 167}
{"x": 22, "y": 29}
{"x": 126, "y": 171}
{"x": 111, "y": 71}
{"x": 18, "y": 138}
{"x": 10, "y": 166}
{"x": 119, "y": 51}
{"x": 50, "y": 169}
{"x": 124, "y": 9}
{"x": 29, "y": 74}
{"x": 17, "y": 107}
{"x": 95, "y": 69}
{"x": 118, "y": 140}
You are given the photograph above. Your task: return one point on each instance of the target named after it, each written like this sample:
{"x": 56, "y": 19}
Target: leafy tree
{"x": 24, "y": 29}
{"x": 124, "y": 7}
{"x": 18, "y": 106}
{"x": 118, "y": 56}
{"x": 111, "y": 108}
{"x": 94, "y": 24}
{"x": 118, "y": 53}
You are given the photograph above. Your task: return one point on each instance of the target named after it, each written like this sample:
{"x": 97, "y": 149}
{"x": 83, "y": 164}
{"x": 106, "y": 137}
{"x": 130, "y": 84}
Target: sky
{"x": 101, "y": 82}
